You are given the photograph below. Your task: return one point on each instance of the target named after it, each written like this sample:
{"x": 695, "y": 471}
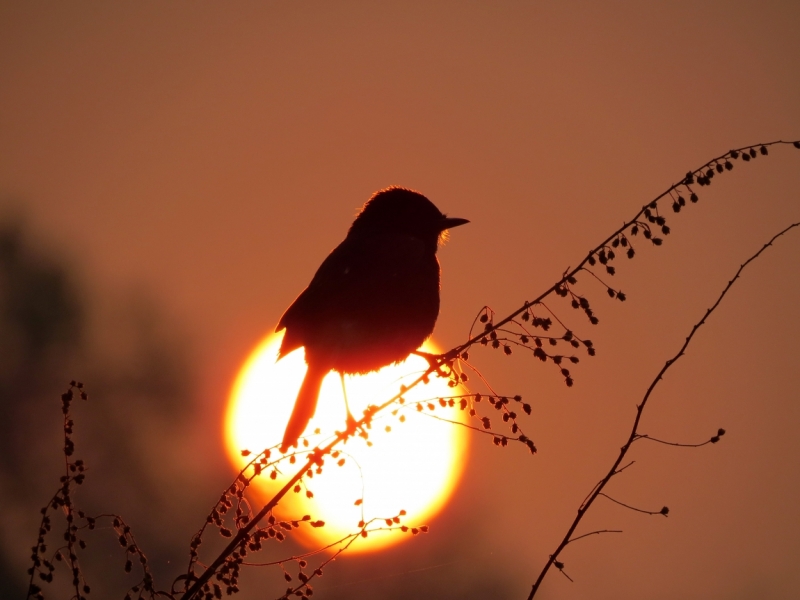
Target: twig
{"x": 595, "y": 533}
{"x": 664, "y": 511}
{"x": 571, "y": 273}
{"x": 713, "y": 440}
{"x": 639, "y": 409}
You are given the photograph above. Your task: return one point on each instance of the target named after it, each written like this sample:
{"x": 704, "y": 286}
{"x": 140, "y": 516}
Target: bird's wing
{"x": 355, "y": 273}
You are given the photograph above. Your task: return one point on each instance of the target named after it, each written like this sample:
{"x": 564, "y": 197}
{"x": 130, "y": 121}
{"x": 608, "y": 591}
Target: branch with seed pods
{"x": 449, "y": 364}
{"x": 78, "y": 522}
{"x": 649, "y": 221}
{"x": 635, "y": 436}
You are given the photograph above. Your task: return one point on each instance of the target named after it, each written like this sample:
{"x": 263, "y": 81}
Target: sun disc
{"x": 413, "y": 467}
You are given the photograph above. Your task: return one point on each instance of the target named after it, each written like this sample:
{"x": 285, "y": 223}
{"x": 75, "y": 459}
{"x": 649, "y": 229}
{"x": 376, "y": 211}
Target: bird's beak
{"x": 450, "y": 222}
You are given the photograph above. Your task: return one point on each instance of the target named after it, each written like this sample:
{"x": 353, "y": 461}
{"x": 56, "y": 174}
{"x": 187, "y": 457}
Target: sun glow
{"x": 413, "y": 467}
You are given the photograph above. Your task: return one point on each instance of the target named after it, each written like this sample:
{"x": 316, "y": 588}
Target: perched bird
{"x": 373, "y": 301}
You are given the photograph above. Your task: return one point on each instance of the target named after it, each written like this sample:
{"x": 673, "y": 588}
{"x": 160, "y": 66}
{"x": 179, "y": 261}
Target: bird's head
{"x": 403, "y": 211}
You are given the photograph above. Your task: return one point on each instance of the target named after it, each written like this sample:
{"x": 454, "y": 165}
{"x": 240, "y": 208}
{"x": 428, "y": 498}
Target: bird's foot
{"x": 433, "y": 359}
{"x": 353, "y": 427}
{"x": 359, "y": 428}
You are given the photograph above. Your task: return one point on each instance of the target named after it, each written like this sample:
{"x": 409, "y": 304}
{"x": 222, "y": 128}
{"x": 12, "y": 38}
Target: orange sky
{"x": 213, "y": 156}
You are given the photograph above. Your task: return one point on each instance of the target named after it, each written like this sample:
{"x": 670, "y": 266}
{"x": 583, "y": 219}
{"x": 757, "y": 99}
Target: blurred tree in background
{"x": 42, "y": 323}
{"x": 51, "y": 331}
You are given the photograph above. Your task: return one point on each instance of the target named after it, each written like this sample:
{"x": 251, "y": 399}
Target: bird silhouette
{"x": 372, "y": 302}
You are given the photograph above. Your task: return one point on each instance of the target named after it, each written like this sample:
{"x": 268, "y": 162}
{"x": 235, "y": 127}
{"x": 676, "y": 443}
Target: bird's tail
{"x": 304, "y": 406}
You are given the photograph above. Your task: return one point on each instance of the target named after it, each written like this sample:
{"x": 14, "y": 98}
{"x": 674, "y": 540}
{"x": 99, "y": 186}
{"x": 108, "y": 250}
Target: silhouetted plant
{"x": 541, "y": 329}
{"x": 77, "y": 524}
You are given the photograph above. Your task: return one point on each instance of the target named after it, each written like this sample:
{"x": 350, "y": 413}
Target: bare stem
{"x": 634, "y": 435}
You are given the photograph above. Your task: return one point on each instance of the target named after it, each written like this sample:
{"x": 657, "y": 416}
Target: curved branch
{"x": 634, "y": 435}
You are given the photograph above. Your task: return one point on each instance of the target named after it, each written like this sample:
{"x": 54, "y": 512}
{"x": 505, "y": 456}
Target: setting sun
{"x": 413, "y": 466}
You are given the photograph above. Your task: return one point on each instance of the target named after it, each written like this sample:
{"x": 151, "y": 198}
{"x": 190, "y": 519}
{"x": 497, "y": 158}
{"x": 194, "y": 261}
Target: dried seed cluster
{"x": 232, "y": 517}
{"x": 505, "y": 405}
{"x": 43, "y": 567}
{"x": 524, "y": 327}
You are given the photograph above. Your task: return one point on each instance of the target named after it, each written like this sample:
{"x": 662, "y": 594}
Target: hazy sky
{"x": 212, "y": 154}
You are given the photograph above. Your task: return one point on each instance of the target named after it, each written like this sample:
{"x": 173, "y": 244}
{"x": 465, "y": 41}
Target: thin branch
{"x": 662, "y": 511}
{"x": 639, "y": 409}
{"x": 713, "y": 440}
{"x": 621, "y": 469}
{"x": 599, "y": 531}
{"x": 571, "y": 273}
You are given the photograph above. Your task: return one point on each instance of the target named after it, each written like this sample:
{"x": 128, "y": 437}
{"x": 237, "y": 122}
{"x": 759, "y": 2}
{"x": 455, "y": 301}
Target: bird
{"x": 373, "y": 300}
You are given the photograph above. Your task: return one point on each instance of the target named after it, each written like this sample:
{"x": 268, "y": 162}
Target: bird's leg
{"x": 351, "y": 422}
